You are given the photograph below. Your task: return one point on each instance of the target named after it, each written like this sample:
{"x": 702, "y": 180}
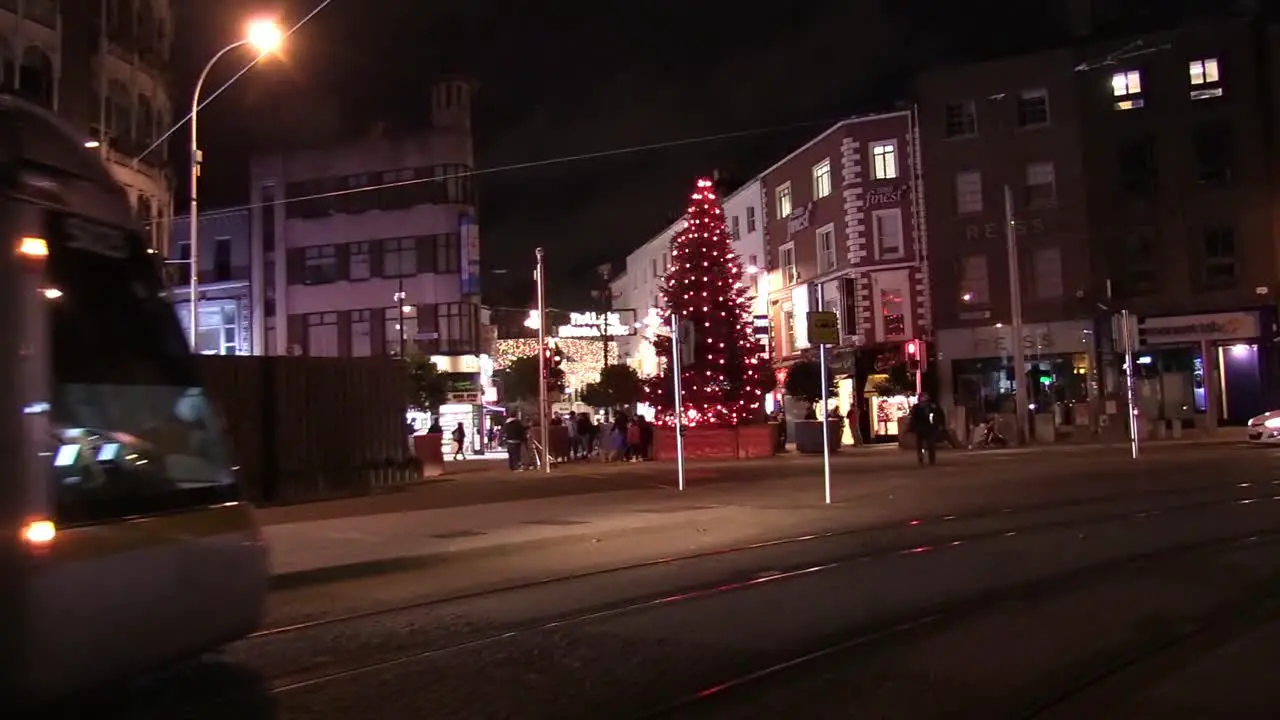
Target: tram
{"x": 127, "y": 545}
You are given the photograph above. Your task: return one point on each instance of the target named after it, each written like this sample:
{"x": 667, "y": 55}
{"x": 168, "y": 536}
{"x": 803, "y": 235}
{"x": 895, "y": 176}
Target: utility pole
{"x": 1015, "y": 308}
{"x": 540, "y": 276}
{"x": 400, "y": 297}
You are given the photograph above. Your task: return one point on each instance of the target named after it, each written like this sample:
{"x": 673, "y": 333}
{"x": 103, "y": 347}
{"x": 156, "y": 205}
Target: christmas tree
{"x": 726, "y": 378}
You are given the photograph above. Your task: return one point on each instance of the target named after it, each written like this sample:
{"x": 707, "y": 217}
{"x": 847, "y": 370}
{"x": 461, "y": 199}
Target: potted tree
{"x": 427, "y": 392}
{"x": 804, "y": 382}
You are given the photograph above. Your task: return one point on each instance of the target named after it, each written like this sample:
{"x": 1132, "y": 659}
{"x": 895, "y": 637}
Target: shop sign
{"x": 799, "y": 219}
{"x": 1197, "y": 328}
{"x": 463, "y": 387}
{"x": 760, "y": 326}
{"x": 593, "y": 325}
{"x": 885, "y": 196}
{"x": 995, "y": 231}
{"x": 1058, "y": 338}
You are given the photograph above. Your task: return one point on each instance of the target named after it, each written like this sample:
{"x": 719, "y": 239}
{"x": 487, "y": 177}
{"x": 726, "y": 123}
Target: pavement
{"x": 627, "y": 512}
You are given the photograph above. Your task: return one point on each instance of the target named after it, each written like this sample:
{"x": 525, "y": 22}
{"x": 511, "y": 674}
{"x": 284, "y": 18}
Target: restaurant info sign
{"x": 593, "y": 325}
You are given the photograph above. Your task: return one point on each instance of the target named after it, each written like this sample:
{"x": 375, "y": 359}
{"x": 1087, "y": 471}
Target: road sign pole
{"x": 677, "y": 367}
{"x": 1130, "y": 370}
{"x": 824, "y": 330}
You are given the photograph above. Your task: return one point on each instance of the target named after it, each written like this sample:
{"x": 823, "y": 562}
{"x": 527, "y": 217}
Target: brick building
{"x": 1142, "y": 170}
{"x": 845, "y": 232}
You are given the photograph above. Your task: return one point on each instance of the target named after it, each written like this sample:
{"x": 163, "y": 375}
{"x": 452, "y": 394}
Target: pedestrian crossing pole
{"x": 677, "y": 367}
{"x": 1130, "y": 369}
{"x": 543, "y": 431}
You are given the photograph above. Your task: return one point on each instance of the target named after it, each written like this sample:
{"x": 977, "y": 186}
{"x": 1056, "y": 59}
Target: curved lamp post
{"x": 264, "y": 36}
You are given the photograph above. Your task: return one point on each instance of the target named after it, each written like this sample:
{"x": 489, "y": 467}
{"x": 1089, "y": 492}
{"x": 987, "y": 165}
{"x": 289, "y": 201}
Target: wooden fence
{"x": 304, "y": 428}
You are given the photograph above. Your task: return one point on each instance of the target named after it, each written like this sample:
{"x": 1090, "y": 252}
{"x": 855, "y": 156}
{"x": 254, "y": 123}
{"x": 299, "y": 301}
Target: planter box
{"x": 428, "y": 448}
{"x": 808, "y": 435}
{"x": 747, "y": 441}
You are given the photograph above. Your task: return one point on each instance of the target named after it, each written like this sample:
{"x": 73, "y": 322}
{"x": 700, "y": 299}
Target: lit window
{"x": 822, "y": 179}
{"x": 1126, "y": 83}
{"x": 884, "y": 160}
{"x": 1205, "y": 80}
{"x": 784, "y": 201}
{"x": 1204, "y": 72}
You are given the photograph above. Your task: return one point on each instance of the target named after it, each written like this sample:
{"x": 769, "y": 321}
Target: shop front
{"x": 976, "y": 377}
{"x": 1203, "y": 370}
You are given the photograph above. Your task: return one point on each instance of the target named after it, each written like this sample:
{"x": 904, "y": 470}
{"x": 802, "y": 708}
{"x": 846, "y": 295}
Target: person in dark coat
{"x": 515, "y": 434}
{"x": 927, "y": 422}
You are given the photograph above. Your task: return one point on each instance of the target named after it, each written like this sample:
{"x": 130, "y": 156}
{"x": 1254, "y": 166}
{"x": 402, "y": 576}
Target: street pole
{"x": 1126, "y": 322}
{"x": 1015, "y": 307}
{"x": 194, "y": 214}
{"x": 677, "y": 367}
{"x": 822, "y": 416}
{"x": 544, "y": 431}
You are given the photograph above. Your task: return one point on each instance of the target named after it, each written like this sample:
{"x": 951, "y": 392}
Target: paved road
{"x": 1140, "y": 590}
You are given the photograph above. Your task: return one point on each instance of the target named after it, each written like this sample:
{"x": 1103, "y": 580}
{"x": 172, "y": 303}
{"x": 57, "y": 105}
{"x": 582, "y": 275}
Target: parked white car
{"x": 1265, "y": 428}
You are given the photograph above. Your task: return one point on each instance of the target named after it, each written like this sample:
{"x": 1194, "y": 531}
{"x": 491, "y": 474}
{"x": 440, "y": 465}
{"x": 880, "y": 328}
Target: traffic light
{"x": 548, "y": 359}
{"x": 914, "y": 352}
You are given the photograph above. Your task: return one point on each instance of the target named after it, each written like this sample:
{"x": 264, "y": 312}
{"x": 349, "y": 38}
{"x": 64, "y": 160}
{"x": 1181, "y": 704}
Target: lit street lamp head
{"x": 264, "y": 36}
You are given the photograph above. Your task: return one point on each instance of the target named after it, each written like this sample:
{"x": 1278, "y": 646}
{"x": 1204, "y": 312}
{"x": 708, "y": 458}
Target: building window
{"x": 975, "y": 286}
{"x": 822, "y": 179}
{"x": 788, "y": 330}
{"x": 1219, "y": 257}
{"x": 962, "y": 120}
{"x": 887, "y": 227}
{"x": 734, "y": 230}
{"x": 751, "y": 218}
{"x": 1136, "y": 158}
{"x": 1204, "y": 78}
{"x": 221, "y": 259}
{"x": 826, "y": 237}
{"x": 455, "y": 322}
{"x": 1033, "y": 108}
{"x": 1041, "y": 186}
{"x": 322, "y": 334}
{"x": 217, "y": 326}
{"x": 653, "y": 267}
{"x": 752, "y": 262}
{"x": 884, "y": 160}
{"x": 783, "y": 194}
{"x": 968, "y": 192}
{"x": 400, "y": 327}
{"x": 890, "y": 304}
{"x": 787, "y": 264}
{"x": 269, "y": 210}
{"x": 359, "y": 266}
{"x": 399, "y": 257}
{"x": 1046, "y": 265}
{"x": 1213, "y": 152}
{"x": 1126, "y": 87}
{"x": 446, "y": 254}
{"x": 361, "y": 333}
{"x": 320, "y": 265}
{"x": 1138, "y": 263}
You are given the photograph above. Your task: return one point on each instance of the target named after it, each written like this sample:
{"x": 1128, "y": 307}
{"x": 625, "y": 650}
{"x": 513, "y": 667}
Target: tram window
{"x": 135, "y": 433}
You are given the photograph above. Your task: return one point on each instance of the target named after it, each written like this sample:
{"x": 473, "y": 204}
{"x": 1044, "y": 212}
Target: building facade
{"x": 101, "y": 66}
{"x": 845, "y": 232}
{"x": 638, "y": 288}
{"x": 373, "y": 246}
{"x": 224, "y": 322}
{"x": 1141, "y": 173}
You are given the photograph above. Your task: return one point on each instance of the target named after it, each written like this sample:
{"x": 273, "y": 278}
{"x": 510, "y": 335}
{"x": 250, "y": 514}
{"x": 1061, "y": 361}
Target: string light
{"x": 724, "y": 386}
{"x": 583, "y": 357}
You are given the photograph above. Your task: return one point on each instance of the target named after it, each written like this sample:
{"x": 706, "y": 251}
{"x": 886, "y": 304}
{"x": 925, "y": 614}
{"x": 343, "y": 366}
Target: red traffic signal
{"x": 913, "y": 349}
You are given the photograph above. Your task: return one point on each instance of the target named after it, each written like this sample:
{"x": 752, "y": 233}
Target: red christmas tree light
{"x": 725, "y": 383}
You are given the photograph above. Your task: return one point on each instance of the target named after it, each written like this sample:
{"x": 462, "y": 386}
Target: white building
{"x": 366, "y": 248}
{"x": 640, "y": 286}
{"x": 106, "y": 79}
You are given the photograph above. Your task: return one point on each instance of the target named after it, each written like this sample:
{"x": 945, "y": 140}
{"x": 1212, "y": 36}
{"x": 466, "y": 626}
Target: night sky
{"x": 564, "y": 79}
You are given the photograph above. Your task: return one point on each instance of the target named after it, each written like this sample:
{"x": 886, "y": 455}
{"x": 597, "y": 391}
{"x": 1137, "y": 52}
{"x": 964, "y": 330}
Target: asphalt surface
{"x": 1051, "y": 585}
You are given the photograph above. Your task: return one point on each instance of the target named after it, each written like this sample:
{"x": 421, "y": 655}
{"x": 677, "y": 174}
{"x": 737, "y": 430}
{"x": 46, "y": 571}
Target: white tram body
{"x": 131, "y": 548}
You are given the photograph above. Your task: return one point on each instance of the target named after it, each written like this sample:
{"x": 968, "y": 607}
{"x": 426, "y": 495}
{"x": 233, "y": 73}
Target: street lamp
{"x": 264, "y": 36}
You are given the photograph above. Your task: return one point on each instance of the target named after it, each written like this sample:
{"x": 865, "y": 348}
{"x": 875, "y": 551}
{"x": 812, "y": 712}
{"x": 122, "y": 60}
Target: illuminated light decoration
{"x": 583, "y": 358}
{"x": 724, "y": 385}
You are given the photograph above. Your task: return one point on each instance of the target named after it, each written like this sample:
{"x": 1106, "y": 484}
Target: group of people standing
{"x": 578, "y": 436}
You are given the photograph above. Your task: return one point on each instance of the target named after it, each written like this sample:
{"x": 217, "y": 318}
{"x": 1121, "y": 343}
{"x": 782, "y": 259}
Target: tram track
{"x": 913, "y": 524}
{"x": 315, "y": 677}
{"x": 1239, "y": 607}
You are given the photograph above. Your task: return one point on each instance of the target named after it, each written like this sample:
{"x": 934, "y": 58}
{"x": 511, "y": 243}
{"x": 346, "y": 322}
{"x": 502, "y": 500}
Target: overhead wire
{"x": 257, "y": 58}
{"x": 532, "y": 164}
